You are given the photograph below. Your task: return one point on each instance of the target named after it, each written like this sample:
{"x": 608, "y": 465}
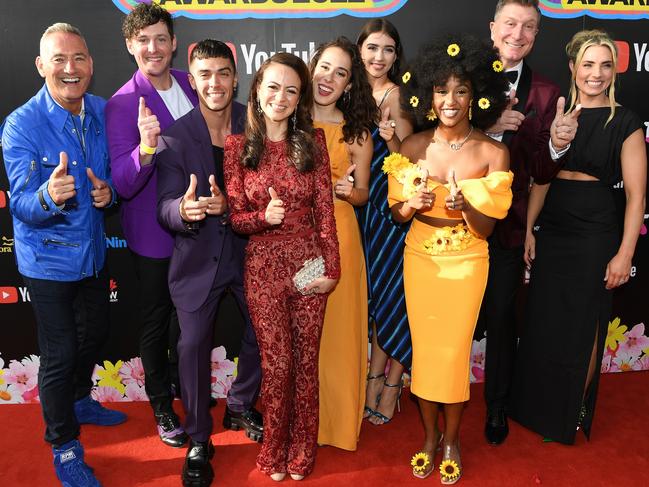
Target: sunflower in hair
{"x": 453, "y": 50}
{"x": 406, "y": 77}
{"x": 484, "y": 103}
{"x": 498, "y": 66}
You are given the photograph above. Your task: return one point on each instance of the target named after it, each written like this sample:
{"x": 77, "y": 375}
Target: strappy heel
{"x": 384, "y": 419}
{"x": 368, "y": 412}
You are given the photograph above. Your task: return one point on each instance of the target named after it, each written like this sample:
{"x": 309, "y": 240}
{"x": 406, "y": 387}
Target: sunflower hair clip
{"x": 406, "y": 77}
{"x": 484, "y": 103}
{"x": 453, "y": 50}
{"x": 498, "y": 66}
{"x": 414, "y": 101}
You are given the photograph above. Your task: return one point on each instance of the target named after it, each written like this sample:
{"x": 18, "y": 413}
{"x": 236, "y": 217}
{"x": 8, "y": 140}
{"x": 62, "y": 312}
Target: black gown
{"x": 569, "y": 306}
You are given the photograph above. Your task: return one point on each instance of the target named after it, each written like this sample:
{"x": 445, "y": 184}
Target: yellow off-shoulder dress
{"x": 445, "y": 275}
{"x": 343, "y": 347}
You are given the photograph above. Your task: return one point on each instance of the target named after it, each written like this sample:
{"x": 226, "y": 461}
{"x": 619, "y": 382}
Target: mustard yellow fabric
{"x": 444, "y": 291}
{"x": 343, "y": 347}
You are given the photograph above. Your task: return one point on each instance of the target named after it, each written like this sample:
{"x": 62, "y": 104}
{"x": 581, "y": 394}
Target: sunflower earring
{"x": 431, "y": 115}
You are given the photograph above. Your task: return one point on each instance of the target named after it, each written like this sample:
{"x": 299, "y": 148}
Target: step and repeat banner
{"x": 255, "y": 29}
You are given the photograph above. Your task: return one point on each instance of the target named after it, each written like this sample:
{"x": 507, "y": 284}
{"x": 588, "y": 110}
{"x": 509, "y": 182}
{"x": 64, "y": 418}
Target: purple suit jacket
{"x": 529, "y": 151}
{"x": 186, "y": 148}
{"x": 135, "y": 184}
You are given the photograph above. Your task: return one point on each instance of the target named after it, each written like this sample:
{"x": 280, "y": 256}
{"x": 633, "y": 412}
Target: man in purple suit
{"x": 149, "y": 102}
{"x": 207, "y": 260}
{"x": 537, "y": 133}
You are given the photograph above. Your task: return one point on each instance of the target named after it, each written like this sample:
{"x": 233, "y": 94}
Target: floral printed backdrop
{"x": 119, "y": 381}
{"x": 626, "y": 349}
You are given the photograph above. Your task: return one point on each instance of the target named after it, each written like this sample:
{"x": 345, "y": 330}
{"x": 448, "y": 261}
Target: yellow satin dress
{"x": 343, "y": 347}
{"x": 445, "y": 274}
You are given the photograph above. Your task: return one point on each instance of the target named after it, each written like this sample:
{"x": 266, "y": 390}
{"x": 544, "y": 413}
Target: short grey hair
{"x": 523, "y": 3}
{"x": 62, "y": 27}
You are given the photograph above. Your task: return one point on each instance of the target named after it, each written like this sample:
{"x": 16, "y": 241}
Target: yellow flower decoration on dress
{"x": 448, "y": 239}
{"x": 453, "y": 50}
{"x": 420, "y": 461}
{"x": 395, "y": 163}
{"x": 484, "y": 103}
{"x": 449, "y": 470}
{"x": 498, "y": 66}
{"x": 406, "y": 77}
{"x": 412, "y": 177}
{"x": 414, "y": 101}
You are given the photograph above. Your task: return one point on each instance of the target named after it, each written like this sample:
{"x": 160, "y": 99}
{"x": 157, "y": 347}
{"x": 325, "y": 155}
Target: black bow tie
{"x": 512, "y": 76}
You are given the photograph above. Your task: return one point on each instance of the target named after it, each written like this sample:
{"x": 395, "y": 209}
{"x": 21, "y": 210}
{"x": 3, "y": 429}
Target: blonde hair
{"x": 59, "y": 27}
{"x": 575, "y": 50}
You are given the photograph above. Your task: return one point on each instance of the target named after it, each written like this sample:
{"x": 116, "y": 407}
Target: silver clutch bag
{"x": 310, "y": 271}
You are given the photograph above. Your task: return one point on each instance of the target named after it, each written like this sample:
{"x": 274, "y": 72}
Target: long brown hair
{"x": 358, "y": 106}
{"x": 301, "y": 145}
{"x": 386, "y": 27}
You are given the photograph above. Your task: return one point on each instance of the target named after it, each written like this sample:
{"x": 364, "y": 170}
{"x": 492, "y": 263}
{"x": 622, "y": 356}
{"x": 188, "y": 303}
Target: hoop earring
{"x": 471, "y": 109}
{"x": 295, "y": 120}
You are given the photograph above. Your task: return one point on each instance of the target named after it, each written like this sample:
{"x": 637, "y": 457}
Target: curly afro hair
{"x": 466, "y": 58}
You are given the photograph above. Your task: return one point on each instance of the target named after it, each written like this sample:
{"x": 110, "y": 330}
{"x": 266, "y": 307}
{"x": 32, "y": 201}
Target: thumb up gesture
{"x": 455, "y": 200}
{"x": 564, "y": 126}
{"x": 190, "y": 209}
{"x": 149, "y": 127}
{"x": 101, "y": 192}
{"x": 275, "y": 210}
{"x": 386, "y": 125}
{"x": 345, "y": 185}
{"x": 216, "y": 202}
{"x": 60, "y": 185}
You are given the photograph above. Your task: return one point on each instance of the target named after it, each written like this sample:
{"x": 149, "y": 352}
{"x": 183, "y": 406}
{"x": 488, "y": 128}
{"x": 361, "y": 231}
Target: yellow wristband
{"x": 147, "y": 149}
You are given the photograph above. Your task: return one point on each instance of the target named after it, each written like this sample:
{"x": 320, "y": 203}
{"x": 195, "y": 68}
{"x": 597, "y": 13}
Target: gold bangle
{"x": 147, "y": 149}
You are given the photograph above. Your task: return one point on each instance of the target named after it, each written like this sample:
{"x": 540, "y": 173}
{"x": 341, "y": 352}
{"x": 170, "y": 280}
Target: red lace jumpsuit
{"x": 288, "y": 325}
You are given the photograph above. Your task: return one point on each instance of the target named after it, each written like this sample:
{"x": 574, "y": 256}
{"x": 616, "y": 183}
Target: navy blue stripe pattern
{"x": 383, "y": 243}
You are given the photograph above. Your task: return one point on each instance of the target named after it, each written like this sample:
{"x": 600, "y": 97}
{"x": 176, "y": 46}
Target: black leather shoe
{"x": 170, "y": 431}
{"x": 197, "y": 470}
{"x": 250, "y": 420}
{"x": 496, "y": 428}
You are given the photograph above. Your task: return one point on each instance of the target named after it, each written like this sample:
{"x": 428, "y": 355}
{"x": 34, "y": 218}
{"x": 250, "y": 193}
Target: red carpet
{"x": 131, "y": 454}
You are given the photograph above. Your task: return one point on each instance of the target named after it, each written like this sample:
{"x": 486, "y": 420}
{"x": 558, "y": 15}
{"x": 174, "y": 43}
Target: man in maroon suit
{"x": 537, "y": 133}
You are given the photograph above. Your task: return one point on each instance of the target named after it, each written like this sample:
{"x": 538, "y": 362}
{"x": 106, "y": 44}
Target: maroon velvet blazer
{"x": 528, "y": 151}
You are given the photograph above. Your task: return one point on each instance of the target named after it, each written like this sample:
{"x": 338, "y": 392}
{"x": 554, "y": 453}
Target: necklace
{"x": 455, "y": 146}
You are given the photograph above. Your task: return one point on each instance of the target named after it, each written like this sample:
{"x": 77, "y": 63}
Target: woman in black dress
{"x": 577, "y": 256}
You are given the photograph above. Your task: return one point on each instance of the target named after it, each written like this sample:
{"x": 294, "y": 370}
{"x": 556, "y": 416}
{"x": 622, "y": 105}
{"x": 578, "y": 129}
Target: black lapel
{"x": 522, "y": 93}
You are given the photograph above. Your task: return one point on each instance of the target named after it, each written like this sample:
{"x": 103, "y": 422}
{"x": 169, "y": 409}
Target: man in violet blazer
{"x": 529, "y": 127}
{"x": 149, "y": 102}
{"x": 208, "y": 256}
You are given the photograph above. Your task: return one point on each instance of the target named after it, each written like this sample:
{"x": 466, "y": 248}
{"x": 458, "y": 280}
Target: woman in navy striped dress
{"x": 383, "y": 238}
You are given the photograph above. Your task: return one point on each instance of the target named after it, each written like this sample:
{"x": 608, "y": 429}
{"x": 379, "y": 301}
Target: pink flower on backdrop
{"x": 221, "y": 366}
{"x": 478, "y": 360}
{"x": 133, "y": 372}
{"x": 31, "y": 395}
{"x": 135, "y": 392}
{"x": 606, "y": 362}
{"x": 644, "y": 362}
{"x": 106, "y": 394}
{"x": 636, "y": 341}
{"x": 220, "y": 387}
{"x": 24, "y": 374}
{"x": 626, "y": 362}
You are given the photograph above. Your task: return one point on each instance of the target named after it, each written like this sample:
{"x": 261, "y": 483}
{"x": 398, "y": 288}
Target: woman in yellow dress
{"x": 453, "y": 181}
{"x": 344, "y": 108}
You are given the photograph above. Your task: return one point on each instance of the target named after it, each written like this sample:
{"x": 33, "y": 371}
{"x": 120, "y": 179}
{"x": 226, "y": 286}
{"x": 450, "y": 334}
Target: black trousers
{"x": 159, "y": 331}
{"x": 72, "y": 323}
{"x": 498, "y": 312}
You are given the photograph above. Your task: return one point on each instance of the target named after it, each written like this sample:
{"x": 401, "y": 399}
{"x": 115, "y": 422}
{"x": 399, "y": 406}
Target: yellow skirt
{"x": 343, "y": 347}
{"x": 443, "y": 297}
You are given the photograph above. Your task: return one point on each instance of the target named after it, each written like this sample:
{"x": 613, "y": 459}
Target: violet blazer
{"x": 529, "y": 153}
{"x": 186, "y": 148}
{"x": 136, "y": 185}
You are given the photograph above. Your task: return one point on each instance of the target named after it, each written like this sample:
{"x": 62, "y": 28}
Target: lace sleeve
{"x": 323, "y": 209}
{"x": 243, "y": 219}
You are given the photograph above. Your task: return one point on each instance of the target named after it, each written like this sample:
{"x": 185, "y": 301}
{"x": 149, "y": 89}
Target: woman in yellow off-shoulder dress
{"x": 453, "y": 181}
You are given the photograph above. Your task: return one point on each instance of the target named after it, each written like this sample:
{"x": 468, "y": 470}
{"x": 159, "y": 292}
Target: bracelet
{"x": 147, "y": 149}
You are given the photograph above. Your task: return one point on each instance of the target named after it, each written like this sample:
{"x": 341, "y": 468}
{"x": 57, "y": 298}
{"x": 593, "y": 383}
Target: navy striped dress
{"x": 383, "y": 243}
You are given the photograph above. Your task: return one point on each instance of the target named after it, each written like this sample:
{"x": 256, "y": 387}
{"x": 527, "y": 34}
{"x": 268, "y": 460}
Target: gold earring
{"x": 431, "y": 115}
{"x": 471, "y": 109}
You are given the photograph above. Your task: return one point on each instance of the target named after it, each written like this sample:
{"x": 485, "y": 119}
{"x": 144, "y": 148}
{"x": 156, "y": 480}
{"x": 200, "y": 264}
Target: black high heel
{"x": 368, "y": 412}
{"x": 384, "y": 419}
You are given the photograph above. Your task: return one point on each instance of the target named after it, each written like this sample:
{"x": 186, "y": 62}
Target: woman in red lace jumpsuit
{"x": 279, "y": 192}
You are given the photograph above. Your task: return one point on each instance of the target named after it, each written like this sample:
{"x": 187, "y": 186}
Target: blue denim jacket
{"x": 64, "y": 243}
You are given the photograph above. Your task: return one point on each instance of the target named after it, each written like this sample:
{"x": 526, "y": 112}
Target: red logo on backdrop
{"x": 8, "y": 295}
{"x": 229, "y": 44}
{"x": 3, "y": 199}
{"x": 623, "y": 53}
{"x": 113, "y": 284}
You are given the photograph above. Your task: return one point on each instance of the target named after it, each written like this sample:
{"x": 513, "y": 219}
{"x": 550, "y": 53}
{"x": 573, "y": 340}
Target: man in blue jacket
{"x": 56, "y": 158}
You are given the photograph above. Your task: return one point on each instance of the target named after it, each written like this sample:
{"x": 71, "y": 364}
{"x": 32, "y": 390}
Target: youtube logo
{"x": 8, "y": 295}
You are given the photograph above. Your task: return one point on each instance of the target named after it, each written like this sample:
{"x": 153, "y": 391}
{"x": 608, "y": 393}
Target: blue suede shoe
{"x": 89, "y": 411}
{"x": 70, "y": 468}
